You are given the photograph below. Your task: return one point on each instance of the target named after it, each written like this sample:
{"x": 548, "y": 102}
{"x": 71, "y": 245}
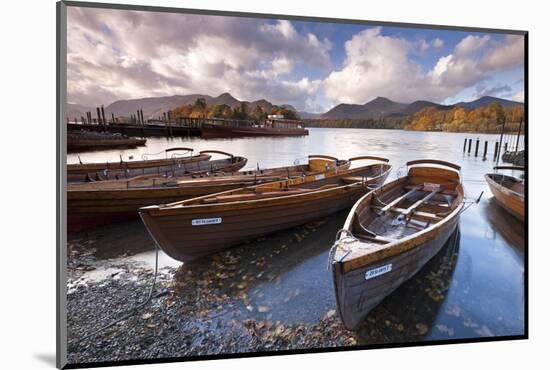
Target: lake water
{"x": 474, "y": 288}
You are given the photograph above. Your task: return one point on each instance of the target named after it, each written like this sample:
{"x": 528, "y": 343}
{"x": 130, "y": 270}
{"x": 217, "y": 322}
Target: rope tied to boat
{"x": 132, "y": 311}
{"x": 349, "y": 238}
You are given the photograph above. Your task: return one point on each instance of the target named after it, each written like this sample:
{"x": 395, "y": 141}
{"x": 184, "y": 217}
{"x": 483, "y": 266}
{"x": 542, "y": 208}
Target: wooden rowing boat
{"x": 201, "y": 226}
{"x": 89, "y": 140}
{"x": 103, "y": 202}
{"x": 391, "y": 233}
{"x": 172, "y": 162}
{"x": 508, "y": 191}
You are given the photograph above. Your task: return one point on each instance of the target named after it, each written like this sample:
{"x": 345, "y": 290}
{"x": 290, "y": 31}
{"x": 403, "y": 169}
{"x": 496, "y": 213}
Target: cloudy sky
{"x": 119, "y": 54}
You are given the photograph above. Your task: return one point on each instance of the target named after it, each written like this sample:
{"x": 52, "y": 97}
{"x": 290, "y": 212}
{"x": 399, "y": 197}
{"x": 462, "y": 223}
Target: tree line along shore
{"x": 488, "y": 119}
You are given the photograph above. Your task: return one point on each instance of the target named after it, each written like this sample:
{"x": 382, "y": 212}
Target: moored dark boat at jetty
{"x": 271, "y": 127}
{"x": 194, "y": 228}
{"x": 174, "y": 162}
{"x": 96, "y": 203}
{"x": 391, "y": 233}
{"x": 89, "y": 140}
{"x": 509, "y": 191}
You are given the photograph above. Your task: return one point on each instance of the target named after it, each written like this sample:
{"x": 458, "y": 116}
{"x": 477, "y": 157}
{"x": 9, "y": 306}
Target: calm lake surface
{"x": 474, "y": 288}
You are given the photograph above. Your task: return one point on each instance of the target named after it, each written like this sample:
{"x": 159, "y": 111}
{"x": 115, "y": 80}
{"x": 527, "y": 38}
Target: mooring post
{"x": 505, "y": 147}
{"x": 477, "y": 146}
{"x": 98, "y": 115}
{"x": 103, "y": 115}
{"x": 485, "y": 150}
{"x": 164, "y": 115}
{"x": 495, "y": 153}
{"x": 113, "y": 117}
{"x": 464, "y": 148}
{"x": 141, "y": 114}
{"x": 138, "y": 118}
{"x": 519, "y": 133}
{"x": 469, "y": 145}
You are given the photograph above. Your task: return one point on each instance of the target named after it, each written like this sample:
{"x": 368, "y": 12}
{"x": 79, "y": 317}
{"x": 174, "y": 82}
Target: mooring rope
{"x": 131, "y": 311}
{"x": 337, "y": 242}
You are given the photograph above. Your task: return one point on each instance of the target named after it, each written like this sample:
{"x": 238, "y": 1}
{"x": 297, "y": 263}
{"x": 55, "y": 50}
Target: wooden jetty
{"x": 190, "y": 229}
{"x": 139, "y": 130}
{"x": 271, "y": 127}
{"x": 391, "y": 233}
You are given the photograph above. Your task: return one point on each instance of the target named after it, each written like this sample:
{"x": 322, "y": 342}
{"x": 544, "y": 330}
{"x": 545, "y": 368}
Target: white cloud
{"x": 507, "y": 55}
{"x": 116, "y": 54}
{"x": 379, "y": 65}
{"x": 437, "y": 43}
{"x": 519, "y": 96}
{"x": 471, "y": 44}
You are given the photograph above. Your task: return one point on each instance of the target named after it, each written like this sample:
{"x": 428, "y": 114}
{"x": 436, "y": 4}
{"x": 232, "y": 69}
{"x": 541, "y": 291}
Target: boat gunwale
{"x": 384, "y": 251}
{"x": 503, "y": 188}
{"x": 176, "y": 207}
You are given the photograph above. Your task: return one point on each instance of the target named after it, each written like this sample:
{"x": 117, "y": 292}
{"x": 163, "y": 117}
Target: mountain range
{"x": 154, "y": 107}
{"x": 376, "y": 108}
{"x": 384, "y": 107}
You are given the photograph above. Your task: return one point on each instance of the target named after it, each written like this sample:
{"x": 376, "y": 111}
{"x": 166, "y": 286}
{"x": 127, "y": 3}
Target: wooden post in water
{"x": 485, "y": 150}
{"x": 98, "y": 115}
{"x": 469, "y": 145}
{"x": 103, "y": 115}
{"x": 464, "y": 148}
{"x": 141, "y": 114}
{"x": 505, "y": 147}
{"x": 477, "y": 146}
{"x": 164, "y": 115}
{"x": 138, "y": 118}
{"x": 519, "y": 133}
{"x": 495, "y": 153}
{"x": 113, "y": 117}
{"x": 500, "y": 143}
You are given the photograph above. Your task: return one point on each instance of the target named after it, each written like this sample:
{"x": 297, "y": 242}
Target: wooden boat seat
{"x": 444, "y": 191}
{"x": 423, "y": 215}
{"x": 394, "y": 202}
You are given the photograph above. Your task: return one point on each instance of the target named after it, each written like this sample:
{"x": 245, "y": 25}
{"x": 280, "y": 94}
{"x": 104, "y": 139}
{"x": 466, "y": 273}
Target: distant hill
{"x": 78, "y": 110}
{"x": 154, "y": 107}
{"x": 485, "y": 101}
{"x": 383, "y": 107}
{"x": 308, "y": 115}
{"x": 372, "y": 109}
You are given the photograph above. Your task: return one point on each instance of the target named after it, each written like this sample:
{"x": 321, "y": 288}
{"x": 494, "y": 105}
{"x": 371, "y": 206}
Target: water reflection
{"x": 283, "y": 276}
{"x": 503, "y": 224}
{"x": 479, "y": 292}
{"x": 410, "y": 313}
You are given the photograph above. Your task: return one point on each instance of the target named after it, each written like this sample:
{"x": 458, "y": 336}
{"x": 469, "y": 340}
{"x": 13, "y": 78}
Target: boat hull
{"x": 217, "y": 131}
{"x": 189, "y": 233}
{"x": 96, "y": 204}
{"x": 94, "y": 208}
{"x": 391, "y": 233}
{"x": 116, "y": 170}
{"x": 356, "y": 296}
{"x": 511, "y": 201}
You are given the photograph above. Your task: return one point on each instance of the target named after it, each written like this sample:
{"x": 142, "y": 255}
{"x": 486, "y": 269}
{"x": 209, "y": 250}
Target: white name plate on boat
{"x": 206, "y": 221}
{"x": 320, "y": 177}
{"x": 377, "y": 271}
